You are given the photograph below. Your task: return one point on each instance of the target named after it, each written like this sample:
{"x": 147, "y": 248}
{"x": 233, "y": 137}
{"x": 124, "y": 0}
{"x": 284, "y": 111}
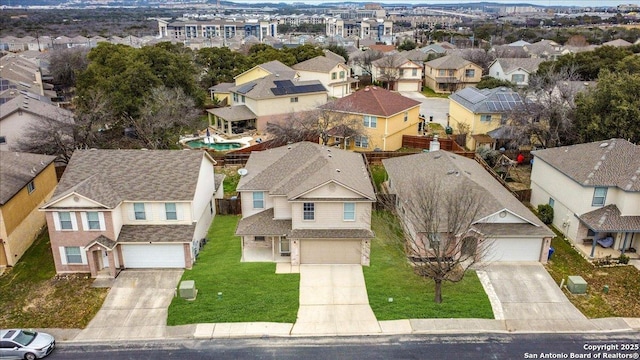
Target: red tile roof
{"x": 373, "y": 100}
{"x": 383, "y": 48}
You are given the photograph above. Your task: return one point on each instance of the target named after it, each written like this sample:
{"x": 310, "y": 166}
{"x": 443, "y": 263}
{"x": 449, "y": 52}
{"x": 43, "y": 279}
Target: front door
{"x": 285, "y": 247}
{"x": 105, "y": 259}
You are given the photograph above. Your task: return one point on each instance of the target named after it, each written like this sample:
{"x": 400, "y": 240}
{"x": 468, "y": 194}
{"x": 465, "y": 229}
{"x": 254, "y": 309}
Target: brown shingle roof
{"x": 295, "y": 169}
{"x": 383, "y": 48}
{"x": 373, "y": 101}
{"x": 608, "y": 219}
{"x": 156, "y": 233}
{"x": 331, "y": 234}
{"x": 528, "y": 64}
{"x": 263, "y": 224}
{"x": 112, "y": 176}
{"x": 317, "y": 64}
{"x": 614, "y": 162}
{"x": 448, "y": 62}
{"x": 17, "y": 170}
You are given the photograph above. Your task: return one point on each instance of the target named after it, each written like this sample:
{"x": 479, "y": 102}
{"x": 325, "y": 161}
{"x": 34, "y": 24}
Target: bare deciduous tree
{"x": 434, "y": 225}
{"x": 165, "y": 114}
{"x": 389, "y": 69}
{"x": 366, "y": 58}
{"x": 65, "y": 64}
{"x": 54, "y": 135}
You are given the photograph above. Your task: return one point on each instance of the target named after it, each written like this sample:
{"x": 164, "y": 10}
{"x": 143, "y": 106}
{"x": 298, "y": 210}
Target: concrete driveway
{"x": 334, "y": 301}
{"x": 136, "y": 306}
{"x": 436, "y": 107}
{"x": 526, "y": 296}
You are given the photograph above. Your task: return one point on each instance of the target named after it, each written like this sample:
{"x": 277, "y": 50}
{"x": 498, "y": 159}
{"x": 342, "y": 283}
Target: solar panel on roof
{"x": 283, "y": 83}
{"x": 471, "y": 95}
{"x": 246, "y": 88}
{"x": 301, "y": 89}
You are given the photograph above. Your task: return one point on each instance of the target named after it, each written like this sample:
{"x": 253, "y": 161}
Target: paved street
{"x": 436, "y": 107}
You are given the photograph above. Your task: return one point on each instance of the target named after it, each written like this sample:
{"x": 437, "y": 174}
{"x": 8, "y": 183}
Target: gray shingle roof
{"x": 331, "y": 234}
{"x": 614, "y": 162}
{"x": 448, "y": 62}
{"x": 317, "y": 64}
{"x": 295, "y": 169}
{"x": 456, "y": 171}
{"x": 487, "y": 101}
{"x": 34, "y": 106}
{"x": 104, "y": 241}
{"x": 17, "y": 170}
{"x": 530, "y": 65}
{"x": 156, "y": 233}
{"x": 222, "y": 87}
{"x": 263, "y": 88}
{"x": 112, "y": 176}
{"x": 263, "y": 224}
{"x": 275, "y": 66}
{"x": 233, "y": 113}
{"x": 608, "y": 219}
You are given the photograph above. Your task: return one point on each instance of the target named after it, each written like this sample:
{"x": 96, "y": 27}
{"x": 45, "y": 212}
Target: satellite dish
{"x": 243, "y": 172}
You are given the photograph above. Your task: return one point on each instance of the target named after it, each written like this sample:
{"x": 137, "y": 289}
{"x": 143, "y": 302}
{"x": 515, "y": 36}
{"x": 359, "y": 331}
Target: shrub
{"x": 545, "y": 213}
{"x": 623, "y": 259}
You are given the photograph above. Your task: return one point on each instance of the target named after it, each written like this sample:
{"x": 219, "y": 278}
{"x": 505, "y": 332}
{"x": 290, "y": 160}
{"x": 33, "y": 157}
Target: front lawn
{"x": 250, "y": 291}
{"x": 623, "y": 298}
{"x": 391, "y": 276}
{"x": 430, "y": 93}
{"x": 31, "y": 296}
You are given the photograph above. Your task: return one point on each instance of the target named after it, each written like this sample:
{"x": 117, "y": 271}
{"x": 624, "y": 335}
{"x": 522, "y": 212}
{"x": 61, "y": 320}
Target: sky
{"x": 439, "y": 2}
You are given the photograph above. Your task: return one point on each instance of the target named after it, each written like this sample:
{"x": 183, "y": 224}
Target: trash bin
{"x": 448, "y": 130}
{"x": 551, "y": 251}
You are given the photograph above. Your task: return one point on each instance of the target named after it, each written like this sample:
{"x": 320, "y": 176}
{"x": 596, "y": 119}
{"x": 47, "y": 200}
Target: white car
{"x": 25, "y": 344}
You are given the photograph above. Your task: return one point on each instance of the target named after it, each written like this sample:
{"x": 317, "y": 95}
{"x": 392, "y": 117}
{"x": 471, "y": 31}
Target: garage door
{"x": 153, "y": 256}
{"x": 330, "y": 251}
{"x": 515, "y": 250}
{"x": 407, "y": 86}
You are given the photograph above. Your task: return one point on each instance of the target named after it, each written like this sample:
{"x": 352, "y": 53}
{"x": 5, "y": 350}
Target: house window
{"x": 551, "y": 202}
{"x": 258, "y": 200}
{"x": 285, "y": 247}
{"x": 406, "y": 116}
{"x": 170, "y": 211}
{"x": 308, "y": 211}
{"x": 342, "y": 74}
{"x": 517, "y": 78}
{"x": 599, "y": 196}
{"x": 235, "y": 97}
{"x": 334, "y": 75}
{"x": 361, "y": 141}
{"x": 485, "y": 117}
{"x": 243, "y": 99}
{"x": 93, "y": 220}
{"x": 401, "y": 72}
{"x": 294, "y": 99}
{"x": 259, "y": 238}
{"x": 138, "y": 209}
{"x": 31, "y": 187}
{"x": 470, "y": 73}
{"x": 349, "y": 212}
{"x": 414, "y": 72}
{"x": 442, "y": 72}
{"x": 72, "y": 255}
{"x": 3, "y": 140}
{"x": 370, "y": 121}
{"x": 65, "y": 220}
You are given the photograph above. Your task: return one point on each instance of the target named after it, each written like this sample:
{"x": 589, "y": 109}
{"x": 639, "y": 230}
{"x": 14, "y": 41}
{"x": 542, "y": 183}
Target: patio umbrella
{"x": 208, "y": 133}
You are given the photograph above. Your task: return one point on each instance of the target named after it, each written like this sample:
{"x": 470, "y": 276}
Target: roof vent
{"x": 604, "y": 145}
{"x": 337, "y": 170}
{"x": 242, "y": 172}
{"x": 330, "y": 155}
{"x": 451, "y": 172}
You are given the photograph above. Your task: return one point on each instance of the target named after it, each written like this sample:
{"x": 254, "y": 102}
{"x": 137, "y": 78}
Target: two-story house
{"x": 507, "y": 230}
{"x": 266, "y": 93}
{"x": 118, "y": 209}
{"x": 26, "y": 182}
{"x": 515, "y": 70}
{"x": 396, "y": 72}
{"x": 306, "y": 203}
{"x": 386, "y": 116}
{"x": 594, "y": 190}
{"x": 451, "y": 73}
{"x": 477, "y": 112}
{"x": 332, "y": 73}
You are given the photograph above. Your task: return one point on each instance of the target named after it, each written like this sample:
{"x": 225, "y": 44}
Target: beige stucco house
{"x": 26, "y": 182}
{"x": 477, "y": 112}
{"x": 451, "y": 73}
{"x": 118, "y": 209}
{"x": 512, "y": 232}
{"x": 396, "y": 72}
{"x": 515, "y": 70}
{"x": 594, "y": 191}
{"x": 330, "y": 71}
{"x": 386, "y": 116}
{"x": 305, "y": 203}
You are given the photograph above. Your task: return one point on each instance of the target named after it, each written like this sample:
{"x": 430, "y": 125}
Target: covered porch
{"x": 265, "y": 239}
{"x": 606, "y": 232}
{"x": 232, "y": 120}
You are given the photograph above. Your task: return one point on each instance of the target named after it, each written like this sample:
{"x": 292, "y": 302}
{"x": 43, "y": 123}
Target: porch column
{"x": 209, "y": 117}
{"x": 229, "y": 132}
{"x": 624, "y": 243}
{"x": 593, "y": 245}
{"x": 112, "y": 263}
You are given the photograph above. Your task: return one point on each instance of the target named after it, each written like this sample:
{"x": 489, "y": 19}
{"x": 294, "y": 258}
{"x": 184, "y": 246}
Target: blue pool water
{"x": 197, "y": 144}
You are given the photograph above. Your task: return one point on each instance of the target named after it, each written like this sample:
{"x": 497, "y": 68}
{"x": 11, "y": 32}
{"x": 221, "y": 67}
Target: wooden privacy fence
{"x": 522, "y": 195}
{"x": 424, "y": 142}
{"x": 228, "y": 206}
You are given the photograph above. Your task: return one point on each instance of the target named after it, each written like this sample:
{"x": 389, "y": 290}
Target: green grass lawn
{"x": 31, "y": 296}
{"x": 391, "y": 276}
{"x": 379, "y": 175}
{"x": 623, "y": 298}
{"x": 430, "y": 93}
{"x": 250, "y": 291}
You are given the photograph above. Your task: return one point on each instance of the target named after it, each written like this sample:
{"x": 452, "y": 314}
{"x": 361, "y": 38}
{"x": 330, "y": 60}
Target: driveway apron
{"x": 528, "y": 298}
{"x": 136, "y": 306}
{"x": 334, "y": 301}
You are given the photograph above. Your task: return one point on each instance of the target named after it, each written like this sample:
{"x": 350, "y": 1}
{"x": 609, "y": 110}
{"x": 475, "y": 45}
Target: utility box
{"x": 188, "y": 289}
{"x": 577, "y": 285}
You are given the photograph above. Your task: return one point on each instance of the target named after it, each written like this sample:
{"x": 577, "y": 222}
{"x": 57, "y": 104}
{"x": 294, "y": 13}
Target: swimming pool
{"x": 226, "y": 146}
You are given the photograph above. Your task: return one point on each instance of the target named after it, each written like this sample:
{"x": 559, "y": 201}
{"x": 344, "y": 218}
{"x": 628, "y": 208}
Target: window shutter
{"x": 56, "y": 221}
{"x": 103, "y": 224}
{"x": 74, "y": 221}
{"x": 83, "y": 256}
{"x": 63, "y": 255}
{"x": 85, "y": 221}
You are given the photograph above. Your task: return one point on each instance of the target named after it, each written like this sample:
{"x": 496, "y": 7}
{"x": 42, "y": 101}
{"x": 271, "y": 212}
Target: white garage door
{"x": 515, "y": 249}
{"x": 330, "y": 251}
{"x": 153, "y": 256}
{"x": 408, "y": 86}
